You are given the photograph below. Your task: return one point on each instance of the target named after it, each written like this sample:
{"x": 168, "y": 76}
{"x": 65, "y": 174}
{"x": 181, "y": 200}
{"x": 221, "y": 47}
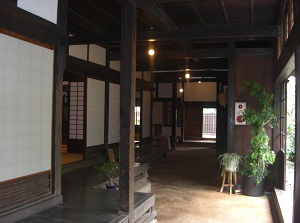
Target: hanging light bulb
{"x": 187, "y": 75}
{"x": 151, "y": 52}
{"x": 180, "y": 90}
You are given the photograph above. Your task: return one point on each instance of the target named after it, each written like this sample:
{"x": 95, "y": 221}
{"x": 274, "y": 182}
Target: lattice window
{"x": 76, "y": 121}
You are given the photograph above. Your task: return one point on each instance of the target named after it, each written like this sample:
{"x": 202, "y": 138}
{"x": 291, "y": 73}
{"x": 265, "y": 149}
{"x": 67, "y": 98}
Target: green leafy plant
{"x": 257, "y": 160}
{"x": 110, "y": 170}
{"x": 229, "y": 162}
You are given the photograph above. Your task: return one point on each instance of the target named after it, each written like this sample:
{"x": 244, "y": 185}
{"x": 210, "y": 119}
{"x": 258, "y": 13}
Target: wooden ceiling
{"x": 190, "y": 34}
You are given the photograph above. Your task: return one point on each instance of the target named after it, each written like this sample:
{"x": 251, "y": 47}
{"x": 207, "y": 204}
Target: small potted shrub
{"x": 229, "y": 162}
{"x": 111, "y": 171}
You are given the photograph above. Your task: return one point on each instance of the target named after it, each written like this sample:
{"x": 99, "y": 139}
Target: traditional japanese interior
{"x": 140, "y": 77}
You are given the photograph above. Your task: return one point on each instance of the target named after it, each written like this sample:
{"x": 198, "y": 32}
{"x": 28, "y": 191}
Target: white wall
{"x": 205, "y": 91}
{"x": 79, "y": 51}
{"x": 115, "y": 65}
{"x": 95, "y": 112}
{"x": 97, "y": 54}
{"x": 43, "y": 8}
{"x": 26, "y": 77}
{"x": 146, "y": 114}
{"x": 114, "y": 114}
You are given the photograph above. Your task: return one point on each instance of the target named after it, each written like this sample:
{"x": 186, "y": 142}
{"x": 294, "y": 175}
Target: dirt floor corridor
{"x": 187, "y": 185}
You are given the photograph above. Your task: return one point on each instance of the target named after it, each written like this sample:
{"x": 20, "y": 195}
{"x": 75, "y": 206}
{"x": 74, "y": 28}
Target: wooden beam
{"x": 224, "y": 12}
{"x": 251, "y": 13}
{"x": 199, "y": 34}
{"x": 106, "y": 104}
{"x": 88, "y": 20}
{"x": 194, "y": 6}
{"x": 15, "y": 21}
{"x": 231, "y": 98}
{"x": 60, "y": 54}
{"x": 127, "y": 103}
{"x": 174, "y": 114}
{"x": 179, "y": 54}
{"x": 296, "y": 207}
{"x": 221, "y": 33}
{"x": 162, "y": 20}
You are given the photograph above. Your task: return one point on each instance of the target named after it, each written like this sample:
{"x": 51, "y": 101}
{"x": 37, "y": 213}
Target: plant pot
{"x": 268, "y": 189}
{"x": 112, "y": 186}
{"x": 232, "y": 167}
{"x": 251, "y": 189}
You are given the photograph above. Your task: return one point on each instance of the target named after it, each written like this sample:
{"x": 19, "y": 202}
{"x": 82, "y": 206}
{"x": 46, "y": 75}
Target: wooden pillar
{"x": 174, "y": 114}
{"x": 151, "y": 107}
{"x": 296, "y": 213}
{"x": 141, "y": 115}
{"x": 182, "y": 111}
{"x": 60, "y": 54}
{"x": 231, "y": 97}
{"x": 106, "y": 104}
{"x": 127, "y": 103}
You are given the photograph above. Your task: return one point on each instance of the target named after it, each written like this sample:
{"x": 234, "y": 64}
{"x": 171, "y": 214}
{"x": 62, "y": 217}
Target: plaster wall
{"x": 114, "y": 114}
{"x": 26, "y": 83}
{"x": 95, "y": 112}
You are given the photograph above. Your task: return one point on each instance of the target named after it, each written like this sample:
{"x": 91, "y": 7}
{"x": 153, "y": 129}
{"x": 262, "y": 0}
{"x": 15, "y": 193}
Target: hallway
{"x": 187, "y": 186}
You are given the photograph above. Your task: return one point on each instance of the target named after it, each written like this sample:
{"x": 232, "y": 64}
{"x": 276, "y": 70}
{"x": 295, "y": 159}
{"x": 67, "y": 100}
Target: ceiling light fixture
{"x": 187, "y": 75}
{"x": 180, "y": 90}
{"x": 151, "y": 52}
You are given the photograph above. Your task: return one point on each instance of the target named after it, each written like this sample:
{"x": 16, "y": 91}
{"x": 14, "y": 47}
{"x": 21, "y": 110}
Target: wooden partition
{"x": 24, "y": 190}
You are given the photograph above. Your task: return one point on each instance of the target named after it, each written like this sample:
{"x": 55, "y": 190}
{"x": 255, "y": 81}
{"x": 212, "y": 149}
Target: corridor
{"x": 187, "y": 186}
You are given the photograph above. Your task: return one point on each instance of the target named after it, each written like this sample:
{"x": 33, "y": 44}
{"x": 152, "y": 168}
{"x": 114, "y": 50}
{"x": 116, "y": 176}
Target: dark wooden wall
{"x": 193, "y": 121}
{"x": 260, "y": 69}
{"x": 21, "y": 191}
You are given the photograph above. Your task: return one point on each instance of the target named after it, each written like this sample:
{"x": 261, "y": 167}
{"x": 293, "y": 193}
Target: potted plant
{"x": 229, "y": 162}
{"x": 111, "y": 171}
{"x": 255, "y": 163}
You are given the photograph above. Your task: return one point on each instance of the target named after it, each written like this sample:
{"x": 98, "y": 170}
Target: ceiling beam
{"x": 178, "y": 54}
{"x": 224, "y": 12}
{"x": 199, "y": 34}
{"x": 147, "y": 2}
{"x": 269, "y": 31}
{"x": 89, "y": 21}
{"x": 164, "y": 22}
{"x": 194, "y": 6}
{"x": 251, "y": 13}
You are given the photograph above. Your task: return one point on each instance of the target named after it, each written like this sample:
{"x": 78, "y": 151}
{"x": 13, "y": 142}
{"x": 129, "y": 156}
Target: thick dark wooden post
{"x": 127, "y": 103}
{"x": 106, "y": 108}
{"x": 59, "y": 68}
{"x": 182, "y": 111}
{"x": 174, "y": 114}
{"x": 231, "y": 97}
{"x": 296, "y": 213}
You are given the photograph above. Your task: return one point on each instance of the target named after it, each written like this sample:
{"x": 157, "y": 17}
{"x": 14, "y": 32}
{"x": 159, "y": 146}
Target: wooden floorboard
{"x": 82, "y": 202}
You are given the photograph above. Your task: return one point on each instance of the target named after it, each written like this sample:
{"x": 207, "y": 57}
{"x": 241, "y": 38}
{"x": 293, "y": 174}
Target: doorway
{"x": 200, "y": 121}
{"x": 209, "y": 124}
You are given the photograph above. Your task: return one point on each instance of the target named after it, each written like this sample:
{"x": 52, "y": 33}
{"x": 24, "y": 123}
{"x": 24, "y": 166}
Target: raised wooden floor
{"x": 82, "y": 202}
